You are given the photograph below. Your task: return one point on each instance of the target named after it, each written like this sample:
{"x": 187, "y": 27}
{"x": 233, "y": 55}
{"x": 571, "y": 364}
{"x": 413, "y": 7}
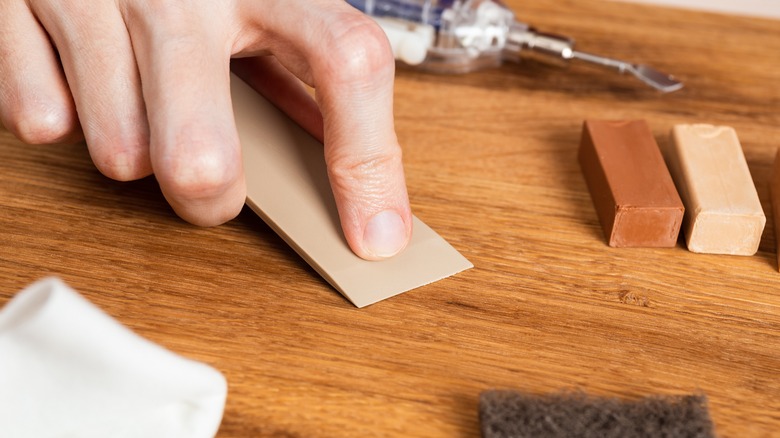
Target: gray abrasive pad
{"x": 505, "y": 414}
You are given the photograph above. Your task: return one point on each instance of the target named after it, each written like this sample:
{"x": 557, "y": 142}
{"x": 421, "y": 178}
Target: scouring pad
{"x": 505, "y": 414}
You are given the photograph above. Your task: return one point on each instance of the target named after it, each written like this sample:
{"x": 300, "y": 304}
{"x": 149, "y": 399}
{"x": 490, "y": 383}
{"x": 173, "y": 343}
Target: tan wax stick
{"x": 775, "y": 194}
{"x": 722, "y": 212}
{"x": 287, "y": 185}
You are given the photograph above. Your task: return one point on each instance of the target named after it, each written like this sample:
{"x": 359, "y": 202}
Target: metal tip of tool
{"x": 528, "y": 40}
{"x": 662, "y": 82}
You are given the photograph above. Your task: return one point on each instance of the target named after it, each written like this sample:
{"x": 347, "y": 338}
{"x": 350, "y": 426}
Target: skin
{"x": 146, "y": 83}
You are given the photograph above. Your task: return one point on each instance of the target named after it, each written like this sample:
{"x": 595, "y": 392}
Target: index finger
{"x": 350, "y": 63}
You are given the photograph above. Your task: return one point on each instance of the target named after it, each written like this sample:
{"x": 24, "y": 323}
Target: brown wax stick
{"x": 775, "y": 194}
{"x": 630, "y": 185}
{"x": 723, "y": 212}
{"x": 287, "y": 185}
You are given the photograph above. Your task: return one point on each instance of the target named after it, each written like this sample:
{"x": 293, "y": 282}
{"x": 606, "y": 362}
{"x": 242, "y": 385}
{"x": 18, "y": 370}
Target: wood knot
{"x": 628, "y": 297}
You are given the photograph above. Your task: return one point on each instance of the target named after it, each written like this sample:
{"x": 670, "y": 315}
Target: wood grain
{"x": 491, "y": 165}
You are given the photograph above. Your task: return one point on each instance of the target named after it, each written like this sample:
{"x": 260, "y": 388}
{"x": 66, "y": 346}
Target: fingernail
{"x": 385, "y": 234}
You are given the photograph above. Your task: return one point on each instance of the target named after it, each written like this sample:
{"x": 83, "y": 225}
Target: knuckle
{"x": 366, "y": 172}
{"x": 43, "y": 126}
{"x": 200, "y": 170}
{"x": 359, "y": 50}
{"x": 123, "y": 159}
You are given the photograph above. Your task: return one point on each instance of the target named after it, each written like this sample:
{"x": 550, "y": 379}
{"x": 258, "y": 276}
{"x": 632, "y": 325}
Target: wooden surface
{"x": 491, "y": 165}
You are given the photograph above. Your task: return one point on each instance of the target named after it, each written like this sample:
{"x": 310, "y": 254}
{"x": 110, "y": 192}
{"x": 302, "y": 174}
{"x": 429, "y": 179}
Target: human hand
{"x": 147, "y": 82}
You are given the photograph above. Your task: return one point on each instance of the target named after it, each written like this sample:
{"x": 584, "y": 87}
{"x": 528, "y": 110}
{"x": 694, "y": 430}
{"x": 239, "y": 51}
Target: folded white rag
{"x": 69, "y": 370}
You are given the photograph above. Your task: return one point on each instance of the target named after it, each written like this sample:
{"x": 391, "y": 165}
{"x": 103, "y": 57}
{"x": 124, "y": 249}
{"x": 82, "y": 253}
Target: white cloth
{"x": 69, "y": 370}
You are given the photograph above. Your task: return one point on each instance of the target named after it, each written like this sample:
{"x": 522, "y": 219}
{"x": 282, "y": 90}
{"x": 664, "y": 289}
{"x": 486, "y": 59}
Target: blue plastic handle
{"x": 416, "y": 11}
